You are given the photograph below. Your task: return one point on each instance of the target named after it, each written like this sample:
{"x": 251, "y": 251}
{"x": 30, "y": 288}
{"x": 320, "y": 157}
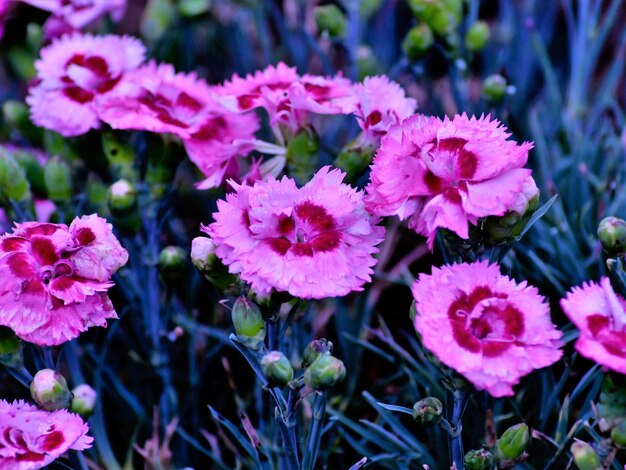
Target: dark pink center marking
{"x": 103, "y": 80}
{"x": 466, "y": 161}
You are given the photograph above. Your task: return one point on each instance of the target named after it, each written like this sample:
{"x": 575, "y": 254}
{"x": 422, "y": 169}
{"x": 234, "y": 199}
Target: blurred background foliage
{"x": 174, "y": 393}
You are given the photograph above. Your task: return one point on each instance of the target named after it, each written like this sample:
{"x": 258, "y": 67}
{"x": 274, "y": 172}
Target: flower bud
{"x": 354, "y": 160}
{"x": 477, "y": 36}
{"x": 612, "y": 235}
{"x": 417, "y": 41}
{"x": 121, "y": 197}
{"x": 302, "y": 155}
{"x": 513, "y": 442}
{"x": 478, "y": 459}
{"x": 330, "y": 19}
{"x": 494, "y": 87}
{"x": 17, "y": 116}
{"x": 276, "y": 369}
{"x": 192, "y": 8}
{"x": 84, "y": 400}
{"x": 58, "y": 178}
{"x": 618, "y": 433}
{"x": 10, "y": 348}
{"x": 315, "y": 349}
{"x": 13, "y": 181}
{"x": 49, "y": 390}
{"x": 325, "y": 372}
{"x": 172, "y": 262}
{"x": 585, "y": 456}
{"x": 248, "y": 322}
{"x": 203, "y": 254}
{"x": 428, "y": 411}
{"x": 443, "y": 16}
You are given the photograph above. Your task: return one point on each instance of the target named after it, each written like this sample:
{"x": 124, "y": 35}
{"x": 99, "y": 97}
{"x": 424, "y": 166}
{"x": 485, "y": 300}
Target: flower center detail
{"x": 86, "y": 76}
{"x": 449, "y": 163}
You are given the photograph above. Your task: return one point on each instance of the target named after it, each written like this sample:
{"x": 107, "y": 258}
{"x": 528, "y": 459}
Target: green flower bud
{"x": 13, "y": 182}
{"x": 276, "y": 369}
{"x": 49, "y": 390}
{"x": 121, "y": 197}
{"x": 330, "y": 19}
{"x": 84, "y": 400}
{"x": 612, "y": 235}
{"x": 513, "y": 442}
{"x": 325, "y": 372}
{"x": 618, "y": 433}
{"x": 477, "y": 36}
{"x": 302, "y": 155}
{"x": 17, "y": 116}
{"x": 315, "y": 349}
{"x": 58, "y": 179}
{"x": 172, "y": 262}
{"x": 354, "y": 159}
{"x": 478, "y": 459}
{"x": 33, "y": 170}
{"x": 417, "y": 41}
{"x": 203, "y": 254}
{"x": 494, "y": 88}
{"x": 428, "y": 411}
{"x": 10, "y": 348}
{"x": 443, "y": 16}
{"x": 248, "y": 322}
{"x": 585, "y": 456}
{"x": 192, "y": 8}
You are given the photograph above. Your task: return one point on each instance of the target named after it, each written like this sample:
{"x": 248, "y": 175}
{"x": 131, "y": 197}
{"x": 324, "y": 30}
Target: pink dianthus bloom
{"x": 73, "y": 73}
{"x": 484, "y": 325}
{"x": 287, "y": 97}
{"x": 155, "y": 98}
{"x": 447, "y": 173}
{"x": 313, "y": 242}
{"x": 600, "y": 315}
{"x": 31, "y": 438}
{"x": 79, "y": 13}
{"x": 56, "y": 278}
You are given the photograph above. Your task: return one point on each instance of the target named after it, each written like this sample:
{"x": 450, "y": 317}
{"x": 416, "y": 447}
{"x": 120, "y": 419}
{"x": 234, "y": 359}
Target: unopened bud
{"x": 10, "y": 348}
{"x": 354, "y": 160}
{"x": 203, "y": 254}
{"x": 612, "y": 235}
{"x": 513, "y": 442}
{"x": 585, "y": 456}
{"x": 478, "y": 459}
{"x": 172, "y": 262}
{"x": 302, "y": 155}
{"x": 417, "y": 41}
{"x": 325, "y": 372}
{"x": 84, "y": 401}
{"x": 58, "y": 178}
{"x": 618, "y": 433}
{"x": 17, "y": 116}
{"x": 315, "y": 349}
{"x": 477, "y": 36}
{"x": 330, "y": 18}
{"x": 443, "y": 16}
{"x": 121, "y": 197}
{"x": 49, "y": 389}
{"x": 428, "y": 411}
{"x": 494, "y": 87}
{"x": 276, "y": 369}
{"x": 248, "y": 322}
{"x": 13, "y": 182}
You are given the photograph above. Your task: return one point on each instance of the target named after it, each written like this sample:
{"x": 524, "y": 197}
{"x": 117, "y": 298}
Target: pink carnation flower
{"x": 600, "y": 315}
{"x": 312, "y": 242}
{"x": 287, "y": 97}
{"x": 79, "y": 13}
{"x": 4, "y": 14}
{"x": 31, "y": 438}
{"x": 157, "y": 99}
{"x": 56, "y": 278}
{"x": 484, "y": 325}
{"x": 73, "y": 73}
{"x": 447, "y": 173}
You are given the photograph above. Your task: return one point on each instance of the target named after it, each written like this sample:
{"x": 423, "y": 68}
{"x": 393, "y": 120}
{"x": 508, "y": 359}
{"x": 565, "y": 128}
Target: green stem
{"x": 315, "y": 433}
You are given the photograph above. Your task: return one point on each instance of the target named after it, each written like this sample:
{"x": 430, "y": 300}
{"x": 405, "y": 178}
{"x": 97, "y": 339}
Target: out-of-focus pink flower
{"x": 447, "y": 173}
{"x": 312, "y": 242}
{"x": 4, "y": 13}
{"x": 287, "y": 97}
{"x": 600, "y": 315}
{"x": 79, "y": 13}
{"x": 484, "y": 325}
{"x": 31, "y": 438}
{"x": 73, "y": 73}
{"x": 56, "y": 278}
{"x": 378, "y": 103}
{"x": 157, "y": 99}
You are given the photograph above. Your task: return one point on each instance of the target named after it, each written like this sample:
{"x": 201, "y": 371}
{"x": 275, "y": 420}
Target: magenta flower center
{"x": 172, "y": 106}
{"x": 454, "y": 165}
{"x": 309, "y": 230}
{"x": 603, "y": 329}
{"x": 87, "y": 76}
{"x": 483, "y": 321}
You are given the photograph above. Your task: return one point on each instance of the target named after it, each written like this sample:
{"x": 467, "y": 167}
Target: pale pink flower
{"x": 79, "y": 13}
{"x": 56, "y": 278}
{"x": 31, "y": 438}
{"x": 447, "y": 174}
{"x": 288, "y": 98}
{"x": 73, "y": 73}
{"x": 378, "y": 103}
{"x": 600, "y": 315}
{"x": 313, "y": 242}
{"x": 157, "y": 99}
{"x": 484, "y": 325}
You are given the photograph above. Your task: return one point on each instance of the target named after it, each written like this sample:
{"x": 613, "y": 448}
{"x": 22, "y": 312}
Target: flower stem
{"x": 315, "y": 433}
{"x": 455, "y": 438}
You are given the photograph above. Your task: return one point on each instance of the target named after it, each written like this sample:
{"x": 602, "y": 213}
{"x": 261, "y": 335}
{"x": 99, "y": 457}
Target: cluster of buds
{"x": 50, "y": 391}
{"x": 509, "y": 450}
